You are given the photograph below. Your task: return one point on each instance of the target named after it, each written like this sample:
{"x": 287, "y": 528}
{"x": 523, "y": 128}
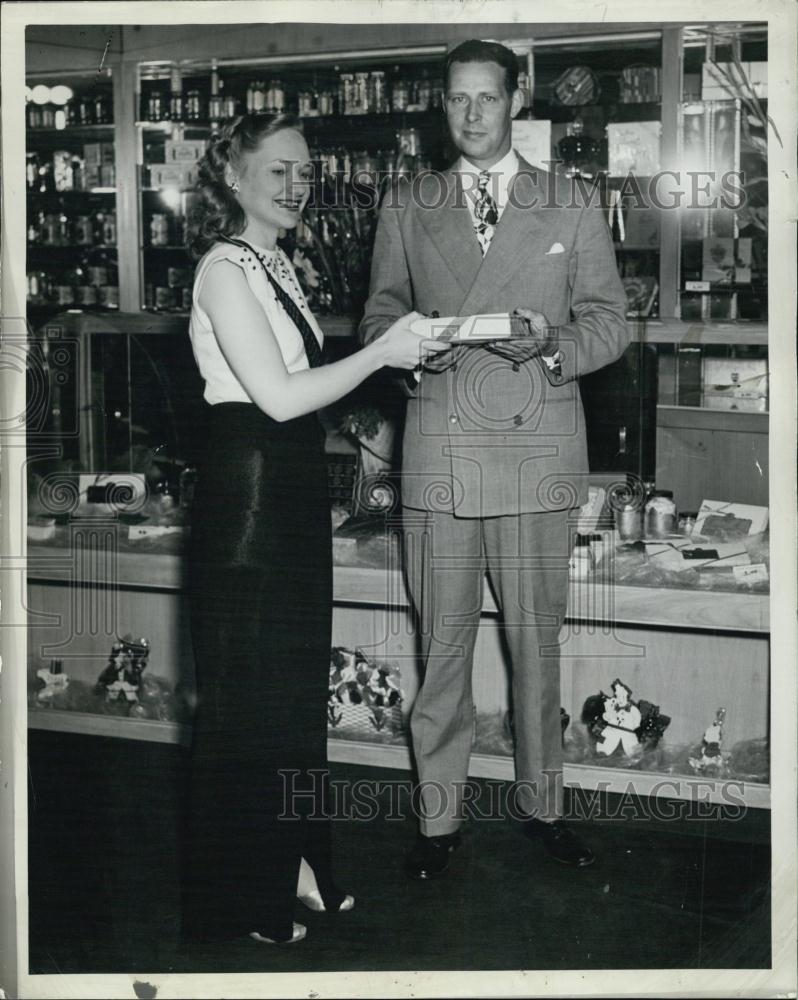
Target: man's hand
{"x": 542, "y": 336}
{"x": 440, "y": 362}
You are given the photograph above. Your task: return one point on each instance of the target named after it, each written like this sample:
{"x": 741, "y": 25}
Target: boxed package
{"x": 735, "y": 384}
{"x": 173, "y": 174}
{"x": 184, "y": 150}
{"x": 98, "y": 153}
{"x": 633, "y": 148}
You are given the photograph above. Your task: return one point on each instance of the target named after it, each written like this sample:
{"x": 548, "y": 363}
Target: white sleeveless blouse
{"x": 221, "y": 384}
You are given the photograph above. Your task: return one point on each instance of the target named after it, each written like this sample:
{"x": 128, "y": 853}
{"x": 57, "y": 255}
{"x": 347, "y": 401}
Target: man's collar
{"x": 508, "y": 165}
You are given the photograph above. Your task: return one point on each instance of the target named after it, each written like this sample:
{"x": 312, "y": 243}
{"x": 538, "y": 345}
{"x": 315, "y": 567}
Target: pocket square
{"x": 555, "y": 248}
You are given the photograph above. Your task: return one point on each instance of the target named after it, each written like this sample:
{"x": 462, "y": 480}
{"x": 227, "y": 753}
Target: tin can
{"x": 98, "y": 276}
{"x": 84, "y": 230}
{"x": 629, "y": 522}
{"x": 326, "y": 102}
{"x": 109, "y": 229}
{"x": 86, "y": 295}
{"x": 159, "y": 231}
{"x": 660, "y": 514}
{"x": 109, "y": 296}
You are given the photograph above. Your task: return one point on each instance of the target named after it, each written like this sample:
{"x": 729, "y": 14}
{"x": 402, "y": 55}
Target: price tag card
{"x": 755, "y": 573}
{"x": 472, "y": 329}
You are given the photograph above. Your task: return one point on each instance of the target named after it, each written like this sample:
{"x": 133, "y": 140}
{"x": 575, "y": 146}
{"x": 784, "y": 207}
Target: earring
{"x": 234, "y": 186}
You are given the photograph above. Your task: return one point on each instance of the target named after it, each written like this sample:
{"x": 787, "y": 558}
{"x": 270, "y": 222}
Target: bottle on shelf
{"x": 102, "y": 110}
{"x": 215, "y": 110}
{"x": 48, "y": 116}
{"x": 159, "y": 230}
{"x": 85, "y": 111}
{"x": 83, "y": 231}
{"x": 156, "y": 108}
{"x": 32, "y": 171}
{"x": 194, "y": 106}
{"x": 176, "y": 95}
{"x": 400, "y": 96}
{"x": 34, "y": 115}
{"x": 63, "y": 179}
{"x": 108, "y": 229}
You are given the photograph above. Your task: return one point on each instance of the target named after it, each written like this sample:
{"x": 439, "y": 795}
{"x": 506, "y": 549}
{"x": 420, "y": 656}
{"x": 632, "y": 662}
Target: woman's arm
{"x": 251, "y": 349}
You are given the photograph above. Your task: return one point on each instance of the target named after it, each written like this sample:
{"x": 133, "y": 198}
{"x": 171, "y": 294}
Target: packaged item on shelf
{"x": 640, "y": 84}
{"x": 377, "y": 96}
{"x": 720, "y": 519}
{"x": 215, "y": 108}
{"x": 400, "y": 96}
{"x": 305, "y": 105}
{"x": 108, "y": 296}
{"x": 580, "y": 565}
{"x": 229, "y": 106}
{"x": 360, "y": 94}
{"x": 34, "y": 115}
{"x": 62, "y": 170}
{"x": 108, "y": 175}
{"x": 32, "y": 171}
{"x": 86, "y": 110}
{"x": 182, "y": 175}
{"x": 83, "y": 230}
{"x": 159, "y": 230}
{"x": 193, "y": 106}
{"x": 184, "y": 150}
{"x": 86, "y": 295}
{"x": 326, "y": 102}
{"x": 48, "y": 116}
{"x": 107, "y": 228}
{"x": 346, "y": 93}
{"x": 176, "y": 95}
{"x": 102, "y": 110}
{"x": 634, "y": 148}
{"x": 98, "y": 153}
{"x": 164, "y": 297}
{"x": 156, "y": 106}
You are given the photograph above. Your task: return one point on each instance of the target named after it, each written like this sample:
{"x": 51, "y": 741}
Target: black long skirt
{"x": 261, "y": 607}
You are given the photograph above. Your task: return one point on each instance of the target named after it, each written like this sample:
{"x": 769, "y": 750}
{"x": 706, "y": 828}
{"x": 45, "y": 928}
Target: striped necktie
{"x": 312, "y": 348}
{"x": 485, "y": 211}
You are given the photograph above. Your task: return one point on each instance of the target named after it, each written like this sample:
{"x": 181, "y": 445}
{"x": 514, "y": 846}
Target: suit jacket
{"x": 489, "y": 437}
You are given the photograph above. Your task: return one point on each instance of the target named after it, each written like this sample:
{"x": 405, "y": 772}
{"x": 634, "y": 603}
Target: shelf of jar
{"x": 432, "y": 114}
{"x": 85, "y": 247}
{"x": 72, "y": 131}
{"x": 71, "y": 192}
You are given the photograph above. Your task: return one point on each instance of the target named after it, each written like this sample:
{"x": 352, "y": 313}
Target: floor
{"x": 684, "y": 892}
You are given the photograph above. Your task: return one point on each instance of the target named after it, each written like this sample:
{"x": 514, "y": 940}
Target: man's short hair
{"x": 478, "y": 51}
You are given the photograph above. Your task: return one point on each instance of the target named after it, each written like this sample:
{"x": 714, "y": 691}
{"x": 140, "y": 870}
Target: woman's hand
{"x": 402, "y": 348}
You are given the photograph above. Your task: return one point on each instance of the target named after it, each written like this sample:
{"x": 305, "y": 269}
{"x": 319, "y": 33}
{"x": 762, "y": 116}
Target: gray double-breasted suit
{"x": 494, "y": 452}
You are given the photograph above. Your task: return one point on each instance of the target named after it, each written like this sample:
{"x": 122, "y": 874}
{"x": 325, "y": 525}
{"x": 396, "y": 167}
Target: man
{"x": 494, "y": 455}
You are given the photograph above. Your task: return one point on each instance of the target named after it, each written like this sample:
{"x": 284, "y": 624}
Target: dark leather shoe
{"x": 561, "y": 843}
{"x": 430, "y": 856}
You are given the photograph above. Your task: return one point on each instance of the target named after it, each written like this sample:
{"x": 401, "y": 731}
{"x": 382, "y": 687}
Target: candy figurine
{"x": 711, "y": 756}
{"x": 55, "y": 682}
{"x": 122, "y": 675}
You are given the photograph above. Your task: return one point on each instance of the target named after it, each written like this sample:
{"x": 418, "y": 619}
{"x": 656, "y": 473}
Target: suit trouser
{"x": 526, "y": 557}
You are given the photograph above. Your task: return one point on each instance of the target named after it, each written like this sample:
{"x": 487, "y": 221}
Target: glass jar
{"x": 48, "y": 116}
{"x": 193, "y": 106}
{"x": 660, "y": 514}
{"x": 159, "y": 231}
{"x": 62, "y": 170}
{"x": 155, "y": 106}
{"x": 34, "y": 115}
{"x": 326, "y": 102}
{"x": 108, "y": 232}
{"x": 377, "y": 96}
{"x": 346, "y": 93}
{"x": 400, "y": 97}
{"x": 83, "y": 230}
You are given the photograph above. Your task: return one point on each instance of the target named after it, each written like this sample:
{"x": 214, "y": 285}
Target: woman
{"x": 261, "y": 558}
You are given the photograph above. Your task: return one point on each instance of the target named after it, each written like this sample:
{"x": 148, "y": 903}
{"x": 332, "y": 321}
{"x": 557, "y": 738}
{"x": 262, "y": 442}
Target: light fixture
{"x": 61, "y": 94}
{"x": 40, "y": 94}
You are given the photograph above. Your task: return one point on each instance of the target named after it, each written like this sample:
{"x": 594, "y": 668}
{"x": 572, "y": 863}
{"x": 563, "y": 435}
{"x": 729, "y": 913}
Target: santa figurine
{"x": 622, "y": 718}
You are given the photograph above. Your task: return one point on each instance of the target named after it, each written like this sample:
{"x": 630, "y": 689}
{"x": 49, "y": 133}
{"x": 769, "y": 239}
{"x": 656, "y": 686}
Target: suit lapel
{"x": 520, "y": 221}
{"x": 450, "y": 229}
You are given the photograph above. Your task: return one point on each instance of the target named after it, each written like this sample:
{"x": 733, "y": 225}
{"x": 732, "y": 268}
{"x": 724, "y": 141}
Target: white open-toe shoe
{"x": 314, "y": 902}
{"x": 299, "y": 932}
